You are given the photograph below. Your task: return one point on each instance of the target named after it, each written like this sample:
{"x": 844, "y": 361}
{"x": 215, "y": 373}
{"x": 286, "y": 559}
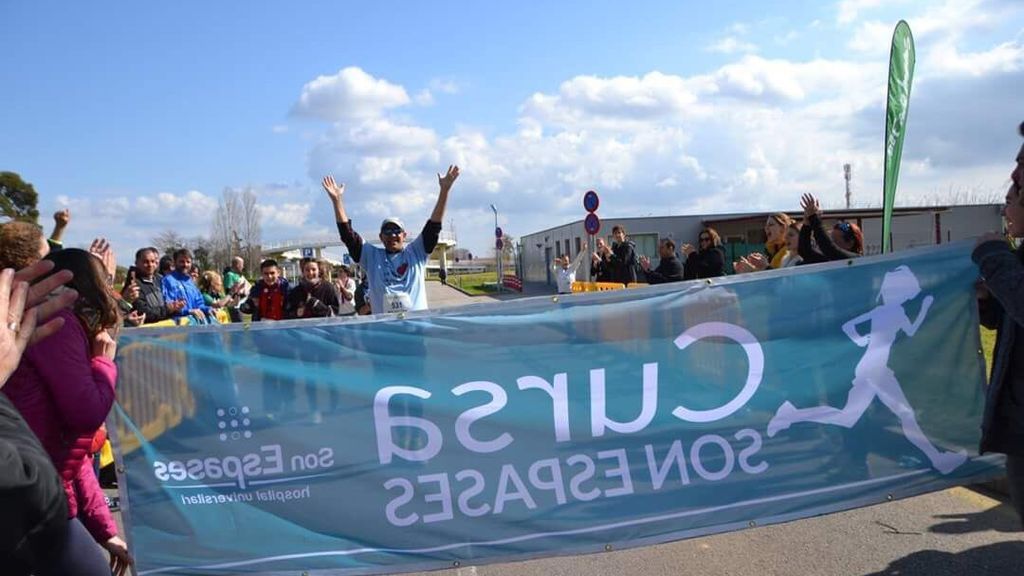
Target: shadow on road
{"x": 1004, "y": 558}
{"x": 1002, "y": 518}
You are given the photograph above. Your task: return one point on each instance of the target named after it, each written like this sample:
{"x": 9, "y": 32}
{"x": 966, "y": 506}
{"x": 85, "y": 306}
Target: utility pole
{"x": 847, "y": 174}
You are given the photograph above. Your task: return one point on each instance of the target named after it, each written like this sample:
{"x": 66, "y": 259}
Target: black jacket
{"x": 623, "y": 263}
{"x": 151, "y": 300}
{"x": 668, "y": 270}
{"x": 827, "y": 250}
{"x": 1003, "y": 422}
{"x": 602, "y": 271}
{"x": 705, "y": 264}
{"x": 312, "y": 301}
{"x": 32, "y": 497}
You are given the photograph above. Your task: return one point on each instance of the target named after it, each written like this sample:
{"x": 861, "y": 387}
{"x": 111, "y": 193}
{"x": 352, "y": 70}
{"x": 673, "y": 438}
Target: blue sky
{"x": 663, "y": 107}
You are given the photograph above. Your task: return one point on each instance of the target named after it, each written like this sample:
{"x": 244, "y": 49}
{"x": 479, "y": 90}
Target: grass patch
{"x": 477, "y": 284}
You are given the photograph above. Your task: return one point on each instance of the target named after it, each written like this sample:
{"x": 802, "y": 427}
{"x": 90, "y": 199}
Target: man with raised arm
{"x": 397, "y": 271}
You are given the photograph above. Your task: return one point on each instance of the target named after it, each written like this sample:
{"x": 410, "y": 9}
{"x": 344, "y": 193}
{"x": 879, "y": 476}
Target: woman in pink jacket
{"x": 64, "y": 388}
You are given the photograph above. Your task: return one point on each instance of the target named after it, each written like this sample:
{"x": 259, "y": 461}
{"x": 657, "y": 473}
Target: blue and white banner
{"x": 550, "y": 426}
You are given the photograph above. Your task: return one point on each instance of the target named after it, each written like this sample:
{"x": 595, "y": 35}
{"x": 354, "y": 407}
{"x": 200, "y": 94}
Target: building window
{"x": 567, "y": 253}
{"x": 579, "y": 245}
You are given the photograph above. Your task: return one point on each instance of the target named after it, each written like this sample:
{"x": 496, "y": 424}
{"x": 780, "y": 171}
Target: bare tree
{"x": 249, "y": 231}
{"x": 224, "y": 229}
{"x": 168, "y": 241}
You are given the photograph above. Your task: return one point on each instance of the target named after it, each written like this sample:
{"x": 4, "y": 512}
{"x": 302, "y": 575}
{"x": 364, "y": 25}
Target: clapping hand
{"x": 687, "y": 249}
{"x": 758, "y": 261}
{"x": 645, "y": 263}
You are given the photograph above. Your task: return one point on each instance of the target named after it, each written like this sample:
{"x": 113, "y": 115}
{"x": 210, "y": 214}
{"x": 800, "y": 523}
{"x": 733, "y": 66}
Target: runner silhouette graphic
{"x": 873, "y": 377}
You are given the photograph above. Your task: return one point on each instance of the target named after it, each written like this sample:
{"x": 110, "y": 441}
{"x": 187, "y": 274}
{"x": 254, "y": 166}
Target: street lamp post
{"x": 497, "y": 251}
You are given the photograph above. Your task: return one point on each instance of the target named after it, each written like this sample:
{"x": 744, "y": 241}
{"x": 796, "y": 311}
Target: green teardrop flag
{"x": 901, "y": 76}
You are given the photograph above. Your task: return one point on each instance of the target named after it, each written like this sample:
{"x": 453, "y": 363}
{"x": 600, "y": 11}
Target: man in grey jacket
{"x": 1001, "y": 306}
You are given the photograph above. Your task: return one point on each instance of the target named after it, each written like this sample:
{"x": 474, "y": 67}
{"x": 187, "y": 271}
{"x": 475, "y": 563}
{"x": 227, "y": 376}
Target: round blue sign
{"x": 592, "y": 224}
{"x": 591, "y": 201}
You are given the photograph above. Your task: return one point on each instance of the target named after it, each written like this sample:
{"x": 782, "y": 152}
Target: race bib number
{"x": 395, "y": 302}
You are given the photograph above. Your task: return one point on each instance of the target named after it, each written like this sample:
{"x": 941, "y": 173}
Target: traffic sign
{"x": 592, "y": 224}
{"x": 307, "y": 252}
{"x": 499, "y": 244}
{"x": 591, "y": 201}
{"x": 497, "y": 232}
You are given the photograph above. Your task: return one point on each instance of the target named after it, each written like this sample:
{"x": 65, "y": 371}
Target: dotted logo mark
{"x": 233, "y": 423}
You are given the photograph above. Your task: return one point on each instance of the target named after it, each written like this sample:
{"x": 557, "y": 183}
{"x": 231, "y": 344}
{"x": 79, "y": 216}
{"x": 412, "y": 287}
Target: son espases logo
{"x": 270, "y": 460}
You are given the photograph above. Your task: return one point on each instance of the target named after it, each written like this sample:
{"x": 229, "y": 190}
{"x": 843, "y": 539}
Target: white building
{"x": 744, "y": 233}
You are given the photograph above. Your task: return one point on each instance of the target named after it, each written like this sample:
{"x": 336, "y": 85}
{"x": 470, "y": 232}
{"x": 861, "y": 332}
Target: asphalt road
{"x": 958, "y": 532}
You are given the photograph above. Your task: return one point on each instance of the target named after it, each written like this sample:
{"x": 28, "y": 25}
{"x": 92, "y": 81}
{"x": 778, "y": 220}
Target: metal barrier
{"x": 513, "y": 283}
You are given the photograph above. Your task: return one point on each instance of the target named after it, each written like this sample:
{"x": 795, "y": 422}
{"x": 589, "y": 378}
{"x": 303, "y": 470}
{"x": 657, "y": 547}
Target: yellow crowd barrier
{"x": 597, "y": 286}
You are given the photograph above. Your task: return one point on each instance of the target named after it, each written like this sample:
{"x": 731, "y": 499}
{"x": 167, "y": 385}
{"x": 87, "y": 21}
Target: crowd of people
{"x": 63, "y": 316}
{"x": 788, "y": 243}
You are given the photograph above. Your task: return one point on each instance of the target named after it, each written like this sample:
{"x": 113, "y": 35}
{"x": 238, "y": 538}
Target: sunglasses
{"x": 844, "y": 226}
{"x": 391, "y": 231}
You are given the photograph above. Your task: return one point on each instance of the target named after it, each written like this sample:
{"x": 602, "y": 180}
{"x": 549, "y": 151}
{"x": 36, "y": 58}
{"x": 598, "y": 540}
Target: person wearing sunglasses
{"x": 846, "y": 240}
{"x": 1001, "y": 307}
{"x": 707, "y": 260}
{"x": 397, "y": 271}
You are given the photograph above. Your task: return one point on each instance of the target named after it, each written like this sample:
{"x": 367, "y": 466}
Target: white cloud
{"x": 424, "y": 98}
{"x": 289, "y": 215}
{"x": 444, "y": 86}
{"x": 731, "y": 45}
{"x": 349, "y": 94}
{"x": 279, "y": 128}
{"x": 849, "y": 10}
{"x": 752, "y": 134}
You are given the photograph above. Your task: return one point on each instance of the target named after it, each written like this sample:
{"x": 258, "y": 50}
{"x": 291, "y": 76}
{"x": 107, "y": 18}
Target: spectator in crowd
{"x": 61, "y": 219}
{"x": 195, "y": 274}
{"x": 267, "y": 302}
{"x": 398, "y": 270}
{"x": 775, "y": 246}
{"x": 844, "y": 242}
{"x": 269, "y": 296}
{"x": 793, "y": 257}
{"x": 150, "y": 300}
{"x": 600, "y": 265}
{"x": 235, "y": 276}
{"x": 178, "y": 285}
{"x": 708, "y": 260}
{"x": 35, "y": 536}
{"x": 623, "y": 260}
{"x": 361, "y": 301}
{"x": 166, "y": 265}
{"x": 313, "y": 297}
{"x": 236, "y": 285}
{"x": 1001, "y": 307}
{"x": 565, "y": 271}
{"x": 22, "y": 245}
{"x": 669, "y": 269}
{"x": 442, "y": 273}
{"x": 346, "y": 287}
{"x": 66, "y": 402}
{"x": 212, "y": 289}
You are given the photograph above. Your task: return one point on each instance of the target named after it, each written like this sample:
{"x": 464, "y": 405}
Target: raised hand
{"x": 446, "y": 181}
{"x": 687, "y": 249}
{"x": 333, "y": 189}
{"x": 39, "y": 296}
{"x": 62, "y": 217}
{"x": 810, "y": 205}
{"x": 645, "y": 263}
{"x": 131, "y": 292}
{"x": 101, "y": 249}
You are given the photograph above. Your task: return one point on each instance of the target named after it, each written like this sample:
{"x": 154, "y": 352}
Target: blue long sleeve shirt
{"x": 179, "y": 286}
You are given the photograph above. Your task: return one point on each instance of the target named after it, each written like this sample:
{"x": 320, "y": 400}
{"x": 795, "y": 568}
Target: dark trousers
{"x": 1015, "y": 475}
{"x": 68, "y": 550}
